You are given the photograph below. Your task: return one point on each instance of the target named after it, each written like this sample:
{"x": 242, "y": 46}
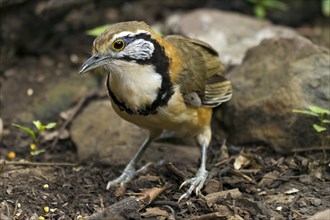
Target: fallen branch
{"x": 238, "y": 173}
{"x": 28, "y": 163}
{"x": 170, "y": 167}
{"x": 128, "y": 206}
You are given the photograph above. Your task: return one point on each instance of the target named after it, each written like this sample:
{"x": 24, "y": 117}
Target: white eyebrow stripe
{"x": 129, "y": 34}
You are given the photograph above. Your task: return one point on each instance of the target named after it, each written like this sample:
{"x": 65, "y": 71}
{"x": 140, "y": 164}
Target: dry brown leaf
{"x": 149, "y": 195}
{"x": 151, "y": 212}
{"x": 213, "y": 197}
{"x": 241, "y": 161}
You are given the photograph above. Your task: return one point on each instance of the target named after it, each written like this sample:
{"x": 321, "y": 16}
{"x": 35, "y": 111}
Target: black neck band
{"x": 163, "y": 95}
{"x": 161, "y": 63}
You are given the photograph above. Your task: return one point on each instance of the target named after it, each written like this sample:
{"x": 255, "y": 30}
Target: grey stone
{"x": 316, "y": 201}
{"x": 231, "y": 34}
{"x": 40, "y": 90}
{"x": 279, "y": 75}
{"x": 100, "y": 133}
{"x": 320, "y": 215}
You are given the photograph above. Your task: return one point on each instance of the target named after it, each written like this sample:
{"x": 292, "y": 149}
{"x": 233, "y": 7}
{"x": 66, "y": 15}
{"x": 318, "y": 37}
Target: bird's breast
{"x": 176, "y": 116}
{"x": 134, "y": 85}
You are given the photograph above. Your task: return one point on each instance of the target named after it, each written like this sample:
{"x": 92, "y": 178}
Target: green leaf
{"x": 259, "y": 11}
{"x": 50, "y": 125}
{"x": 40, "y": 127}
{"x": 28, "y": 130}
{"x": 252, "y": 1}
{"x": 319, "y": 128}
{"x": 275, "y": 4}
{"x": 325, "y": 121}
{"x": 304, "y": 112}
{"x": 326, "y": 7}
{"x": 319, "y": 110}
{"x": 36, "y": 152}
{"x": 98, "y": 30}
{"x": 37, "y": 124}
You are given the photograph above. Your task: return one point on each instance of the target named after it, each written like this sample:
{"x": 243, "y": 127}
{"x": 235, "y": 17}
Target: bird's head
{"x": 125, "y": 43}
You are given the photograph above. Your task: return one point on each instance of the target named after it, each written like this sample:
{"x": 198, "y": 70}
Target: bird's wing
{"x": 201, "y": 82}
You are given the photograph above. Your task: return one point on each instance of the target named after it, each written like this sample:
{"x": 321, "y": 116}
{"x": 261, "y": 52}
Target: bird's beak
{"x": 94, "y": 62}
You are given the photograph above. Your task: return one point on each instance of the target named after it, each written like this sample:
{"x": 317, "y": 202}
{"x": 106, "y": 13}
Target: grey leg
{"x": 129, "y": 171}
{"x": 197, "y": 182}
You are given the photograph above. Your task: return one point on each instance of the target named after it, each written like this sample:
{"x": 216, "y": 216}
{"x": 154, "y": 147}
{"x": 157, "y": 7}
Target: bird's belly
{"x": 175, "y": 117}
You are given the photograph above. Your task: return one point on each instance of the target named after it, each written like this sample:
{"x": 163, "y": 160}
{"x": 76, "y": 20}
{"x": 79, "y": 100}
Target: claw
{"x": 184, "y": 196}
{"x": 196, "y": 182}
{"x": 124, "y": 178}
{"x": 185, "y": 183}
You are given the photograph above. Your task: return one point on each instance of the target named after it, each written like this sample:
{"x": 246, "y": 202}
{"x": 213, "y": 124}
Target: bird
{"x": 161, "y": 83}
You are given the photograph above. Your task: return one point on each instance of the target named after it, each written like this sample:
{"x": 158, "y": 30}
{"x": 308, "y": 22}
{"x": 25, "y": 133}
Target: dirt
{"x": 290, "y": 187}
{"x": 266, "y": 184}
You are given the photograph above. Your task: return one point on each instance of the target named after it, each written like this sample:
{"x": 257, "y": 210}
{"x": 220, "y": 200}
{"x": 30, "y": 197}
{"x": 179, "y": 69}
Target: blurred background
{"x": 276, "y": 54}
{"x": 43, "y": 44}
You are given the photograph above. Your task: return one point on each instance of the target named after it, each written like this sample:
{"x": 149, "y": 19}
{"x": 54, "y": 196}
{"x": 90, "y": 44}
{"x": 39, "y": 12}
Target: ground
{"x": 267, "y": 185}
{"x": 245, "y": 182}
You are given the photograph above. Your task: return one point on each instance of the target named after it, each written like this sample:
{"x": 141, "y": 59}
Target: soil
{"x": 292, "y": 186}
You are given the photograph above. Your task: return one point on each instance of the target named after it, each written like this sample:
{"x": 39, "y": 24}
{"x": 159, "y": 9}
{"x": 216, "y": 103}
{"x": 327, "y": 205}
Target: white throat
{"x": 134, "y": 84}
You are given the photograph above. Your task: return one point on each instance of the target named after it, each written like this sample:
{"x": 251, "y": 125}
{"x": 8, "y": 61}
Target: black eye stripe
{"x": 161, "y": 63}
{"x": 129, "y": 40}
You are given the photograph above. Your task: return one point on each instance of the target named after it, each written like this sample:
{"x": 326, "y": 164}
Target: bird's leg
{"x": 197, "y": 182}
{"x": 129, "y": 171}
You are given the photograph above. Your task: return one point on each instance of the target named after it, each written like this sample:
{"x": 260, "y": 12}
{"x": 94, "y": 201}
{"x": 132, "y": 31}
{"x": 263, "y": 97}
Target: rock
{"x": 279, "y": 75}
{"x": 320, "y": 215}
{"x": 40, "y": 90}
{"x": 316, "y": 201}
{"x": 231, "y": 34}
{"x": 260, "y": 209}
{"x": 100, "y": 133}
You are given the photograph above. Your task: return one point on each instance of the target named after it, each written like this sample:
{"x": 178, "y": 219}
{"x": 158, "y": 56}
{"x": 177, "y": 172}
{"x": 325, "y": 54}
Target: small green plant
{"x": 326, "y": 7}
{"x": 36, "y": 135}
{"x": 98, "y": 30}
{"x": 320, "y": 113}
{"x": 260, "y": 7}
{"x": 94, "y": 32}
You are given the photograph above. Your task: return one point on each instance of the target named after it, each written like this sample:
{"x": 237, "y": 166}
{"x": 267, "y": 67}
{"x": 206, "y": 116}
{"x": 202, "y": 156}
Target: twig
{"x": 75, "y": 111}
{"x": 15, "y": 209}
{"x": 225, "y": 161}
{"x": 28, "y": 163}
{"x": 238, "y": 173}
{"x": 294, "y": 201}
{"x": 7, "y": 206}
{"x": 170, "y": 167}
{"x": 1, "y": 129}
{"x": 249, "y": 171}
{"x": 214, "y": 215}
{"x": 295, "y": 150}
{"x": 173, "y": 214}
{"x": 2, "y": 165}
{"x": 167, "y": 203}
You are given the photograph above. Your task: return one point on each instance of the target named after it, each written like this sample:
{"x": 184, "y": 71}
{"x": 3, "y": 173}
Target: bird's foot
{"x": 125, "y": 177}
{"x": 196, "y": 183}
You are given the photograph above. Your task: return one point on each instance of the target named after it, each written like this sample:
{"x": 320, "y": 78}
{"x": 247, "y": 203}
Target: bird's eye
{"x": 118, "y": 45}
